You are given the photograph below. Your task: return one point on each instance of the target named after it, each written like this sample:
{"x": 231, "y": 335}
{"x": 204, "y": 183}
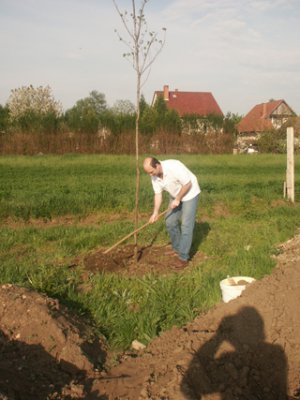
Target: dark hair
{"x": 154, "y": 162}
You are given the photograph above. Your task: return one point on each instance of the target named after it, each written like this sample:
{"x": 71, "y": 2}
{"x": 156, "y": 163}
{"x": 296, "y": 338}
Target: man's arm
{"x": 157, "y": 204}
{"x": 183, "y": 191}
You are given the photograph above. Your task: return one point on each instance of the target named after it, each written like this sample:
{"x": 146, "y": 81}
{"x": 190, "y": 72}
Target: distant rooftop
{"x": 200, "y": 103}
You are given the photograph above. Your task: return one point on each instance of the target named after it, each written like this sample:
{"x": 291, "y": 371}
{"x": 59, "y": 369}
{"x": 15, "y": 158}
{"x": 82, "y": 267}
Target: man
{"x": 182, "y": 185}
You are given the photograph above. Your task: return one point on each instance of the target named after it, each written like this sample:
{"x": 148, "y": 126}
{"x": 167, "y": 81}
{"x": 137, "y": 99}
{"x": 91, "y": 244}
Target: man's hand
{"x": 175, "y": 203}
{"x": 153, "y": 218}
{"x": 183, "y": 191}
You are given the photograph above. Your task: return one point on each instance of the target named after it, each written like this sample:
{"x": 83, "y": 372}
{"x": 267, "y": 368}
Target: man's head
{"x": 152, "y": 166}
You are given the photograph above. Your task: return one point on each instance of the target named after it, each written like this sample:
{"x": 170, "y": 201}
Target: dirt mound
{"x": 45, "y": 353}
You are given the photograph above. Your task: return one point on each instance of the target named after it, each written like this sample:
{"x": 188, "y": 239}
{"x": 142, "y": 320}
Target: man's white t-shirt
{"x": 175, "y": 175}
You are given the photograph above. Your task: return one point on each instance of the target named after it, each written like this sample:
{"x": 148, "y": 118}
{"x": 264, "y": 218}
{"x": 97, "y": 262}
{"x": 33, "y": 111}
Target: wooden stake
{"x": 290, "y": 170}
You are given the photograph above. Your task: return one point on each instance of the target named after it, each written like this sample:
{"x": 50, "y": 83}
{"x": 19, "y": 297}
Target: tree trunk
{"x": 137, "y": 182}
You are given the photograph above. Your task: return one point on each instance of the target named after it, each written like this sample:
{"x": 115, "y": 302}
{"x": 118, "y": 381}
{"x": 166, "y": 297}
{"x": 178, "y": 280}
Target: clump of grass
{"x": 128, "y": 309}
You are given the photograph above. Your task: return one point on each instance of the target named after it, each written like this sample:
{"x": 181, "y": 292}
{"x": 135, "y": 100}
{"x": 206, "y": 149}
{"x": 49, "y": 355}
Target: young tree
{"x": 143, "y": 48}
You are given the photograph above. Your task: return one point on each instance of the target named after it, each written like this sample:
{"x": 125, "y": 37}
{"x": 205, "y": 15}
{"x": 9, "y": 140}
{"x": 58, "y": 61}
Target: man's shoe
{"x": 179, "y": 263}
{"x": 170, "y": 251}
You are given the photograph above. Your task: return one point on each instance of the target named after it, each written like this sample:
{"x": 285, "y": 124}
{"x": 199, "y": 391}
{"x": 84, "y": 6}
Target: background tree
{"x": 123, "y": 107}
{"x": 122, "y": 117}
{"x": 143, "y": 48}
{"x": 34, "y": 109}
{"x": 86, "y": 115}
{"x": 4, "y": 119}
{"x": 143, "y": 105}
{"x": 148, "y": 121}
{"x": 118, "y": 122}
{"x": 173, "y": 122}
{"x": 230, "y": 123}
{"x": 147, "y": 118}
{"x": 166, "y": 120}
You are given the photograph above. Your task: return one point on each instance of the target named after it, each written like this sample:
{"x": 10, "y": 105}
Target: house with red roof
{"x": 262, "y": 118}
{"x": 189, "y": 103}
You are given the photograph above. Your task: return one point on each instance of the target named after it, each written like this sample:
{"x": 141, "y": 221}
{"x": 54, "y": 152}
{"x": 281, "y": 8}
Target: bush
{"x": 272, "y": 142}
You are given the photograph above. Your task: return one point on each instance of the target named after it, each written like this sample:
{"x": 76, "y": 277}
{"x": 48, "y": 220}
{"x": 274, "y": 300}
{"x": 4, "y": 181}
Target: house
{"x": 262, "y": 118}
{"x": 188, "y": 103}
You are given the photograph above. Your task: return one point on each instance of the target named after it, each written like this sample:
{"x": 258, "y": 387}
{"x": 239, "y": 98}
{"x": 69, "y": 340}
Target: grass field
{"x": 55, "y": 208}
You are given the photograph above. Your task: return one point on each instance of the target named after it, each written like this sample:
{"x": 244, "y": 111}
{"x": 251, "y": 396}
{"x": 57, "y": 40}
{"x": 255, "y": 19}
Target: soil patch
{"x": 45, "y": 352}
{"x": 122, "y": 260}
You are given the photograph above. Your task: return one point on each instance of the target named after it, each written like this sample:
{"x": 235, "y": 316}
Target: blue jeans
{"x": 182, "y": 236}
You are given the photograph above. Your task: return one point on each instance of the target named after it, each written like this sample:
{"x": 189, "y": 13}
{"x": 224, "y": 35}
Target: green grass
{"x": 241, "y": 219}
{"x": 45, "y": 186}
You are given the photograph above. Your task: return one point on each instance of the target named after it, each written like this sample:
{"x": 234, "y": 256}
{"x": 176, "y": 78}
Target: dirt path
{"x": 248, "y": 348}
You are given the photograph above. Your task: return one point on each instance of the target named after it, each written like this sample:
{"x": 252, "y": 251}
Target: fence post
{"x": 290, "y": 170}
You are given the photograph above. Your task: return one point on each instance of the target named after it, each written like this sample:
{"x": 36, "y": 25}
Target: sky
{"x": 244, "y": 52}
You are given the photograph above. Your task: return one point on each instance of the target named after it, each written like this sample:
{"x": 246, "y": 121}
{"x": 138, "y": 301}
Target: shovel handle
{"x": 132, "y": 233}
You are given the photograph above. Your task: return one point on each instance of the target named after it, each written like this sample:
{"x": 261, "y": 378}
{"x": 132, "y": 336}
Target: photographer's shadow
{"x": 237, "y": 363}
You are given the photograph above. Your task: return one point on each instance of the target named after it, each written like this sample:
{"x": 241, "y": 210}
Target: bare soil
{"x": 122, "y": 260}
{"x": 248, "y": 348}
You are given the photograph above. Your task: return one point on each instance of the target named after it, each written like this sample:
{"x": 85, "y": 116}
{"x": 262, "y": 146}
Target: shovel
{"x": 132, "y": 233}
